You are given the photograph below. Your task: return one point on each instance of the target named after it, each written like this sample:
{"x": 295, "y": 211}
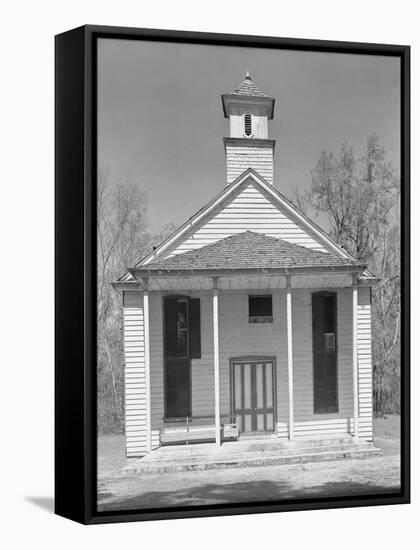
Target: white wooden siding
{"x": 364, "y": 359}
{"x": 250, "y": 210}
{"x": 202, "y": 370}
{"x": 134, "y": 375}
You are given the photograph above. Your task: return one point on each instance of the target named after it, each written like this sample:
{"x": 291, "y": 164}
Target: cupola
{"x": 248, "y": 109}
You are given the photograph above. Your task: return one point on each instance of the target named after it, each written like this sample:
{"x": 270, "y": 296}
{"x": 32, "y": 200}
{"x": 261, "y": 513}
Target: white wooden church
{"x": 249, "y": 321}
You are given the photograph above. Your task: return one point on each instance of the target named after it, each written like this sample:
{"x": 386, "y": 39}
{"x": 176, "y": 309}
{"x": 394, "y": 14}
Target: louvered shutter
{"x": 170, "y": 327}
{"x": 194, "y": 326}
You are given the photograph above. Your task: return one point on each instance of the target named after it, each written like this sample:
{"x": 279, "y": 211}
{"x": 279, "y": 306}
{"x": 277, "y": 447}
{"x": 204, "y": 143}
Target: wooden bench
{"x": 195, "y": 430}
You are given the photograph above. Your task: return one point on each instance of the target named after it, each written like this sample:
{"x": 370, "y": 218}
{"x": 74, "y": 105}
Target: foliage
{"x": 359, "y": 197}
{"x": 123, "y": 238}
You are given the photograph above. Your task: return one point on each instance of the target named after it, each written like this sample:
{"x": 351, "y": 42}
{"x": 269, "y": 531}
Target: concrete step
{"x": 254, "y": 446}
{"x": 251, "y": 459}
{"x": 237, "y": 454}
{"x": 298, "y": 443}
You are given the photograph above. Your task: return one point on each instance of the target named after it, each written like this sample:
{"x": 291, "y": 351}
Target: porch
{"x": 259, "y": 451}
{"x": 268, "y": 364}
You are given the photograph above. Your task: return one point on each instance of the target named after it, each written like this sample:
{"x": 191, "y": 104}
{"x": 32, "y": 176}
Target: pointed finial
{"x": 248, "y": 76}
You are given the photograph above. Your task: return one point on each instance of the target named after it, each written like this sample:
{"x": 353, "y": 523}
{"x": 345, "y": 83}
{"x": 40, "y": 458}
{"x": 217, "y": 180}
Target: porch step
{"x": 165, "y": 462}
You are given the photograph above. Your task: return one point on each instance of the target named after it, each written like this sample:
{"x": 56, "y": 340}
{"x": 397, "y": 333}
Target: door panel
{"x": 238, "y": 385}
{"x": 259, "y": 385}
{"x": 269, "y": 385}
{"x": 247, "y": 398}
{"x": 252, "y": 395}
{"x": 177, "y": 388}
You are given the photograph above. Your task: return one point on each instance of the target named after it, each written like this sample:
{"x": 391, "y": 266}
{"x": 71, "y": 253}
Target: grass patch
{"x": 387, "y": 426}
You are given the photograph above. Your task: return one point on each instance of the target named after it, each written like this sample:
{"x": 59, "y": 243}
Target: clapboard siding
{"x": 250, "y": 210}
{"x": 134, "y": 375}
{"x": 364, "y": 349}
{"x": 202, "y": 370}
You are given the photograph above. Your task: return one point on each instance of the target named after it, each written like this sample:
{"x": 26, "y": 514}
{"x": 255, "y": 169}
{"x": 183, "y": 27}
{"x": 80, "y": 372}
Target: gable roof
{"x": 250, "y": 251}
{"x": 248, "y": 88}
{"x": 207, "y": 210}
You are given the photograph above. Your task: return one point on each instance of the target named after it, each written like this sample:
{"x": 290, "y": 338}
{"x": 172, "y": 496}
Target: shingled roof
{"x": 249, "y": 250}
{"x": 248, "y": 88}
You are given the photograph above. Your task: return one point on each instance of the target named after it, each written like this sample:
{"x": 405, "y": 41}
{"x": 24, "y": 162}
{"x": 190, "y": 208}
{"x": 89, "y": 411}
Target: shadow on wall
{"x": 255, "y": 491}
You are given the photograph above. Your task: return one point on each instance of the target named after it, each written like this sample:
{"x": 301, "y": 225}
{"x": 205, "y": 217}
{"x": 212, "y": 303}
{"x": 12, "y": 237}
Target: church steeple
{"x": 249, "y": 109}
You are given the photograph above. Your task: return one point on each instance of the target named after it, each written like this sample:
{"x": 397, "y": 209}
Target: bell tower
{"x": 248, "y": 146}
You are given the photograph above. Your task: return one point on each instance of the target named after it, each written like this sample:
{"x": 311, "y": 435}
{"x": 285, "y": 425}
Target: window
{"x": 261, "y": 309}
{"x": 248, "y": 124}
{"x": 324, "y": 342}
{"x": 182, "y": 327}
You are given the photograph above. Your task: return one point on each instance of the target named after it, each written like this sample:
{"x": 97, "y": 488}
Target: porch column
{"x": 355, "y": 366}
{"x": 216, "y": 358}
{"x": 146, "y": 315}
{"x": 290, "y": 353}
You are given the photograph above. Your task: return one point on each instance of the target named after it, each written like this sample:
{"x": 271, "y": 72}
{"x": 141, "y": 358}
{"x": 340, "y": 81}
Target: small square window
{"x": 261, "y": 309}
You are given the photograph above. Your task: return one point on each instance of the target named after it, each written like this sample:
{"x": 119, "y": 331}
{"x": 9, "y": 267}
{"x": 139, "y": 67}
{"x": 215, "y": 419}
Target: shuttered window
{"x": 324, "y": 341}
{"x": 248, "y": 124}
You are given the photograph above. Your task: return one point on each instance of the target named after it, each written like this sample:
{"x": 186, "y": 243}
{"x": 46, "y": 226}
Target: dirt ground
{"x": 320, "y": 479}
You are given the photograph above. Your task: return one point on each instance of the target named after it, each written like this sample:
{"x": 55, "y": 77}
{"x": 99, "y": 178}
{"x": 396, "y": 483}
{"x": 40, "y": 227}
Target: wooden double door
{"x": 253, "y": 394}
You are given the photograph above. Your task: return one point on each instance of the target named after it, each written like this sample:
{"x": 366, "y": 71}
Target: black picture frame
{"x": 75, "y": 273}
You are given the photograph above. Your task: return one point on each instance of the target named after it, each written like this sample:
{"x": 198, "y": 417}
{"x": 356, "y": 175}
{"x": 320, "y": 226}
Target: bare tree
{"x": 359, "y": 197}
{"x": 123, "y": 238}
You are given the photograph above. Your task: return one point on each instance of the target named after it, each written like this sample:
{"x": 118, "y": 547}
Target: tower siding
{"x": 241, "y": 155}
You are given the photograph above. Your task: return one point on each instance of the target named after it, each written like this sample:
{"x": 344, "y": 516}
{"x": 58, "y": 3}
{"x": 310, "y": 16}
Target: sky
{"x": 160, "y": 118}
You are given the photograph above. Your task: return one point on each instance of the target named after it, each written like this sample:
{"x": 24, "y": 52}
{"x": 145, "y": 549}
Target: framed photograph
{"x": 232, "y": 274}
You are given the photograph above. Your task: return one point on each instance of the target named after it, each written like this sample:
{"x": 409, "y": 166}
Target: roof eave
{"x": 191, "y": 272}
{"x": 239, "y": 99}
{"x": 121, "y": 286}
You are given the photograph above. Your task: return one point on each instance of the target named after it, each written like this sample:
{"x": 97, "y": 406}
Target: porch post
{"x": 146, "y": 314}
{"x": 290, "y": 353}
{"x": 355, "y": 366}
{"x": 216, "y": 358}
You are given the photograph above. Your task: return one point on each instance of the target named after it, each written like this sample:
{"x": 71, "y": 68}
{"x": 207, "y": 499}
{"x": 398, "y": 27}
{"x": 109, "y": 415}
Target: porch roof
{"x": 250, "y": 251}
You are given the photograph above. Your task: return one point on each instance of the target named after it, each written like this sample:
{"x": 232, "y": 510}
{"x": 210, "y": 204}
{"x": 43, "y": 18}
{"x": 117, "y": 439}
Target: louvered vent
{"x": 248, "y": 125}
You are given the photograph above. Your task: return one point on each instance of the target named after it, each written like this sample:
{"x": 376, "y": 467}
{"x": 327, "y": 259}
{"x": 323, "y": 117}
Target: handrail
{"x": 189, "y": 420}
